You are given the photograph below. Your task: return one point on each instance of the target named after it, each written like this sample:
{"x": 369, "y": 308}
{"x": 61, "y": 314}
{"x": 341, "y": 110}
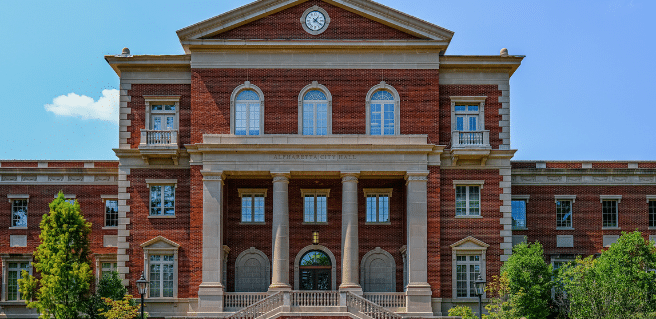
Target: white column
{"x": 418, "y": 289}
{"x": 280, "y": 233}
{"x": 210, "y": 291}
{"x": 350, "y": 247}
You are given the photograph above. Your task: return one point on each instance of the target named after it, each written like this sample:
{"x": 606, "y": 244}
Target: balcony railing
{"x": 465, "y": 139}
{"x": 159, "y": 137}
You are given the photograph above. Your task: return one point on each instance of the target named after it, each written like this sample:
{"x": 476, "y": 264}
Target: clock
{"x": 315, "y": 20}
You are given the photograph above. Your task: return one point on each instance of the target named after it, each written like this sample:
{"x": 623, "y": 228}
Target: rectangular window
{"x": 111, "y": 213}
{"x": 107, "y": 268}
{"x": 315, "y": 206}
{"x": 377, "y": 208}
{"x": 609, "y": 213}
{"x": 13, "y": 274}
{"x": 564, "y": 213}
{"x": 519, "y": 214}
{"x": 161, "y": 275}
{"x": 19, "y": 213}
{"x": 468, "y": 201}
{"x": 252, "y": 208}
{"x": 162, "y": 200}
{"x": 466, "y": 117}
{"x": 652, "y": 213}
{"x": 467, "y": 270}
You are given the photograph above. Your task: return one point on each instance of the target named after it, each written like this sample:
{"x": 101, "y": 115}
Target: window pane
{"x": 167, "y": 281}
{"x": 308, "y": 118}
{"x": 241, "y": 118}
{"x": 157, "y": 123}
{"x": 563, "y": 213}
{"x": 246, "y": 209}
{"x": 248, "y": 95}
{"x": 376, "y": 120}
{"x": 461, "y": 200}
{"x": 155, "y": 200}
{"x": 519, "y": 214}
{"x": 460, "y": 126}
{"x": 314, "y": 95}
{"x": 609, "y": 213}
{"x": 472, "y": 123}
{"x": 472, "y": 108}
{"x": 460, "y": 108}
{"x": 169, "y": 200}
{"x": 321, "y": 208}
{"x": 309, "y": 209}
{"x": 111, "y": 213}
{"x": 652, "y": 213}
{"x": 155, "y": 279}
{"x": 254, "y": 117}
{"x": 156, "y": 107}
{"x": 258, "y": 208}
{"x": 383, "y": 208}
{"x": 474, "y": 200}
{"x": 371, "y": 208}
{"x": 322, "y": 119}
{"x": 19, "y": 213}
{"x": 169, "y": 107}
{"x": 389, "y": 119}
{"x": 169, "y": 122}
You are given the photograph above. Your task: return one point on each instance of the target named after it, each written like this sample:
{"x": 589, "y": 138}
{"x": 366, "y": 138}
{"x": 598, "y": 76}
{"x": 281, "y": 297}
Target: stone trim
{"x": 521, "y": 197}
{"x": 617, "y": 198}
{"x": 318, "y": 191}
{"x": 467, "y": 247}
{"x": 6, "y": 259}
{"x": 506, "y": 209}
{"x": 124, "y": 98}
{"x": 377, "y": 191}
{"x": 651, "y": 198}
{"x": 152, "y": 99}
{"x": 584, "y": 177}
{"x": 122, "y": 257}
{"x": 13, "y": 197}
{"x": 467, "y": 182}
{"x": 565, "y": 197}
{"x": 329, "y": 99}
{"x": 168, "y": 247}
{"x": 262, "y": 258}
{"x": 366, "y": 261}
{"x": 306, "y": 249}
{"x": 246, "y": 86}
{"x": 397, "y": 106}
{"x": 252, "y": 191}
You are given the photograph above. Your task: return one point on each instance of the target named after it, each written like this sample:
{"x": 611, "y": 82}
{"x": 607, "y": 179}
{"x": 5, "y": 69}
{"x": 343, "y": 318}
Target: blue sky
{"x": 583, "y": 91}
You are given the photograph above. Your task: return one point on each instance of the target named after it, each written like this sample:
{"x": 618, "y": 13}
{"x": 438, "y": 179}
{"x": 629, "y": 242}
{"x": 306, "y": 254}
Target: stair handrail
{"x": 259, "y": 308}
{"x": 369, "y": 308}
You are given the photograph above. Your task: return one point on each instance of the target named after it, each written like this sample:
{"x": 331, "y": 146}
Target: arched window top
{"x": 315, "y": 95}
{"x": 315, "y": 258}
{"x": 248, "y": 95}
{"x": 382, "y": 95}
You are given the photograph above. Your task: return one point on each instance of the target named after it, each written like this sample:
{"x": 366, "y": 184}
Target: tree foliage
{"x": 109, "y": 287}
{"x": 503, "y": 304}
{"x": 120, "y": 309}
{"x": 620, "y": 283}
{"x": 528, "y": 273}
{"x": 463, "y": 312}
{"x": 62, "y": 260}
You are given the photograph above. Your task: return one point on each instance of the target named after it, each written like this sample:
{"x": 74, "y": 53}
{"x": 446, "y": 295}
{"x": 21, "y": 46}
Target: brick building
{"x": 322, "y": 156}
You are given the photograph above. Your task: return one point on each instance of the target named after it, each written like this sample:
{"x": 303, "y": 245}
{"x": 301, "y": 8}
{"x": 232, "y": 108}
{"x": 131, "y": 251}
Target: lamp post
{"x": 142, "y": 285}
{"x": 480, "y": 290}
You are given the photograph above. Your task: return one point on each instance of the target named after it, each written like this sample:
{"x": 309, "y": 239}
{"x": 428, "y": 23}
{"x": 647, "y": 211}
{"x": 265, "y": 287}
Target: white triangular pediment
{"x": 160, "y": 242}
{"x": 469, "y": 242}
{"x": 366, "y": 8}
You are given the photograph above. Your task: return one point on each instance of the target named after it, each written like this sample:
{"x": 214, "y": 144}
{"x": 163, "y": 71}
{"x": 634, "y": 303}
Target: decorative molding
{"x": 281, "y": 177}
{"x": 252, "y": 191}
{"x": 377, "y": 191}
{"x": 397, "y": 106}
{"x": 467, "y": 182}
{"x": 329, "y": 100}
{"x": 617, "y": 198}
{"x": 651, "y": 198}
{"x": 346, "y": 178}
{"x": 521, "y": 197}
{"x": 318, "y": 191}
{"x": 576, "y": 177}
{"x": 565, "y": 197}
{"x": 247, "y": 85}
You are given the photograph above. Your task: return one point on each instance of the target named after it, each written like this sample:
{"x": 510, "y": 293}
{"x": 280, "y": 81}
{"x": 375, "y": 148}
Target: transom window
{"x": 468, "y": 201}
{"x": 111, "y": 213}
{"x": 652, "y": 213}
{"x": 247, "y": 113}
{"x": 518, "y": 214}
{"x": 19, "y": 213}
{"x": 609, "y": 213}
{"x": 161, "y": 275}
{"x": 467, "y": 270}
{"x": 252, "y": 205}
{"x": 315, "y": 113}
{"x": 162, "y": 200}
{"x": 14, "y": 272}
{"x": 315, "y": 205}
{"x": 382, "y": 113}
{"x": 564, "y": 213}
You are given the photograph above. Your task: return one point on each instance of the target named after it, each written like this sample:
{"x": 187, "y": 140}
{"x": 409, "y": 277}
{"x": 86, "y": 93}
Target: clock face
{"x": 315, "y": 20}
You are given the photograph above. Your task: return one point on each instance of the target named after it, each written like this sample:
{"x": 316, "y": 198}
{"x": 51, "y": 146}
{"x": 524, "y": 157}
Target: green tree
{"x": 109, "y": 287}
{"x": 463, "y": 312}
{"x": 503, "y": 304}
{"x": 528, "y": 273}
{"x": 62, "y": 260}
{"x": 121, "y": 309}
{"x": 620, "y": 283}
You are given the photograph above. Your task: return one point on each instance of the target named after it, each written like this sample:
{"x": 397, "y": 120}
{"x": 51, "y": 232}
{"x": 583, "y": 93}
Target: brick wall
{"x": 212, "y": 88}
{"x": 286, "y": 24}
{"x": 434, "y": 230}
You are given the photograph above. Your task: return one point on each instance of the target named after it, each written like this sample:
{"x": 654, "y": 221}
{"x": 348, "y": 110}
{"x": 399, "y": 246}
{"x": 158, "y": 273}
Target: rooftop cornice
{"x": 478, "y": 62}
{"x": 239, "y": 44}
{"x": 148, "y": 62}
{"x": 262, "y": 8}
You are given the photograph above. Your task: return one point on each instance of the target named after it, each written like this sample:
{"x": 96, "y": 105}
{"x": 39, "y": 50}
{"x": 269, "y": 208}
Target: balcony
{"x": 470, "y": 146}
{"x": 159, "y": 144}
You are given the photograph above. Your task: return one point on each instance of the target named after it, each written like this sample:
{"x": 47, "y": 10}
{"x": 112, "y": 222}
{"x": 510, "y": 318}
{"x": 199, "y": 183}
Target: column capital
{"x": 350, "y": 176}
{"x": 280, "y": 177}
{"x": 213, "y": 176}
{"x": 416, "y": 177}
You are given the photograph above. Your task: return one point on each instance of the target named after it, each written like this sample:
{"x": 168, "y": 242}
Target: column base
{"x": 210, "y": 297}
{"x": 355, "y": 289}
{"x": 279, "y": 287}
{"x": 418, "y": 300}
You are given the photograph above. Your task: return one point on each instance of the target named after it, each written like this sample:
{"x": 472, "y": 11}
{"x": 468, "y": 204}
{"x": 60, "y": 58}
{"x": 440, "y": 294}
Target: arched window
{"x": 378, "y": 271}
{"x": 246, "y": 110}
{"x": 315, "y": 110}
{"x": 315, "y": 270}
{"x": 383, "y": 110}
{"x": 252, "y": 271}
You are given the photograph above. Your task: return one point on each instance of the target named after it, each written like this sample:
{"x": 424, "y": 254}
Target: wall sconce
{"x": 315, "y": 237}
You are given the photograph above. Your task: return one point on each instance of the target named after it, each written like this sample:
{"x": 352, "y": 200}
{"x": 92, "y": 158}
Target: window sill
{"x": 161, "y": 216}
{"x": 163, "y": 299}
{"x": 469, "y": 216}
{"x": 12, "y": 303}
{"x": 252, "y": 223}
{"x": 314, "y": 223}
{"x": 520, "y": 228}
{"x": 378, "y": 223}
{"x": 110, "y": 228}
{"x": 651, "y": 227}
{"x": 18, "y": 227}
{"x": 564, "y": 228}
{"x": 469, "y": 299}
{"x": 611, "y": 228}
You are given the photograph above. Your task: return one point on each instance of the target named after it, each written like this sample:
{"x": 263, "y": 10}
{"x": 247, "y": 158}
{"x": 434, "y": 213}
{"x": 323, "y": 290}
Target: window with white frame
{"x": 315, "y": 110}
{"x": 564, "y": 210}
{"x": 468, "y": 120}
{"x": 651, "y": 201}
{"x": 383, "y": 113}
{"x": 107, "y": 268}
{"x": 19, "y": 212}
{"x": 247, "y": 110}
{"x": 378, "y": 204}
{"x": 111, "y": 212}
{"x": 14, "y": 269}
{"x": 518, "y": 206}
{"x": 467, "y": 270}
{"x": 162, "y": 197}
{"x": 468, "y": 198}
{"x": 252, "y": 204}
{"x": 162, "y": 113}
{"x": 609, "y": 216}
{"x": 315, "y": 205}
{"x": 161, "y": 276}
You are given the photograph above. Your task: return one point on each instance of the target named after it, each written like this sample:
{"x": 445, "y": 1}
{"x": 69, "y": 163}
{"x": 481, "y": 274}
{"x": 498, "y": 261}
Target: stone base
{"x": 356, "y": 290}
{"x": 210, "y": 298}
{"x": 418, "y": 301}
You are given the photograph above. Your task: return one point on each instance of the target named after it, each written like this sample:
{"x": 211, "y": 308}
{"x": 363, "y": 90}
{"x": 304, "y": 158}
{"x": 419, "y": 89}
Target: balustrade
{"x": 315, "y": 298}
{"x": 159, "y": 137}
{"x": 239, "y": 300}
{"x": 470, "y": 138}
{"x": 259, "y": 308}
{"x": 393, "y": 300}
{"x": 362, "y": 305}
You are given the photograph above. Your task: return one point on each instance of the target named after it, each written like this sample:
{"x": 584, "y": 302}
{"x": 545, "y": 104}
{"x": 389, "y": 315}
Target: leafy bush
{"x": 462, "y": 311}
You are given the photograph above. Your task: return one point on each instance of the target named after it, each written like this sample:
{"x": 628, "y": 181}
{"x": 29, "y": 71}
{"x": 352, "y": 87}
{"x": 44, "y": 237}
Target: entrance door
{"x": 315, "y": 271}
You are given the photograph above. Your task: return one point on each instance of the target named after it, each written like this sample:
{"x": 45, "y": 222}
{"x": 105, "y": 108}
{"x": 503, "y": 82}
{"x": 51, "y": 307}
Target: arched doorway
{"x": 315, "y": 270}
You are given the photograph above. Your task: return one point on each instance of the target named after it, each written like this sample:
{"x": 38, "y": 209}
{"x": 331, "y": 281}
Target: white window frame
{"x": 103, "y": 259}
{"x": 480, "y": 100}
{"x": 525, "y": 199}
{"x": 468, "y": 183}
{"x": 12, "y": 198}
{"x": 247, "y": 85}
{"x": 650, "y": 198}
{"x": 313, "y": 193}
{"x": 397, "y": 107}
{"x": 151, "y": 100}
{"x": 565, "y": 198}
{"x": 250, "y": 192}
{"x": 162, "y": 182}
{"x": 469, "y": 246}
{"x": 161, "y": 246}
{"x": 379, "y": 192}
{"x": 6, "y": 260}
{"x": 329, "y": 99}
{"x": 615, "y": 198}
{"x": 106, "y": 198}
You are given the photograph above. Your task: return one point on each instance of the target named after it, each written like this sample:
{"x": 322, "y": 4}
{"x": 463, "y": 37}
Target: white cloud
{"x": 84, "y": 107}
